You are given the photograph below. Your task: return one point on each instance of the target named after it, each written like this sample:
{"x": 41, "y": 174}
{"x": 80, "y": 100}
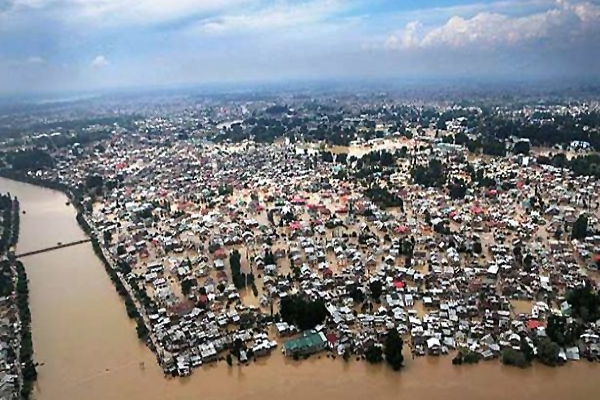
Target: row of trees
{"x": 495, "y": 127}
{"x": 241, "y": 280}
{"x": 26, "y": 353}
{"x": 28, "y": 160}
{"x": 132, "y": 312}
{"x": 583, "y": 165}
{"x": 9, "y": 231}
{"x": 19, "y": 288}
{"x": 547, "y": 353}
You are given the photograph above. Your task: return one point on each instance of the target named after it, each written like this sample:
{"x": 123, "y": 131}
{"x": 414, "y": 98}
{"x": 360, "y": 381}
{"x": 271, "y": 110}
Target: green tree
{"x": 585, "y": 303}
{"x": 527, "y": 350}
{"x": 513, "y": 357}
{"x": 187, "y": 285}
{"x": 458, "y": 189}
{"x": 376, "y": 288}
{"x": 522, "y": 147}
{"x": 238, "y": 278}
{"x": 548, "y": 352}
{"x": 580, "y": 228}
{"x": 305, "y": 314}
{"x": 374, "y": 354}
{"x": 347, "y": 354}
{"x": 393, "y": 349}
{"x": 555, "y": 329}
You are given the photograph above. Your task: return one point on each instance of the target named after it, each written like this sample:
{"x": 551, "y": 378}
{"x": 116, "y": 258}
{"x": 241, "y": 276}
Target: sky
{"x": 62, "y": 45}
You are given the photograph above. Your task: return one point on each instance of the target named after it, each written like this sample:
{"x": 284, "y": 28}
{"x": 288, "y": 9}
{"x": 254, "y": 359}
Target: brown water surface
{"x": 90, "y": 351}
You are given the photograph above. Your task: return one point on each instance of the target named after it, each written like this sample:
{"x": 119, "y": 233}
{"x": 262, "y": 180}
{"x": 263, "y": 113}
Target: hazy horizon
{"x": 90, "y": 45}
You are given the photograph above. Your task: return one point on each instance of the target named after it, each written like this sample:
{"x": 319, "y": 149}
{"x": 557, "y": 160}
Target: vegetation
{"x": 376, "y": 288}
{"x": 458, "y": 189}
{"x": 187, "y": 285}
{"x": 305, "y": 314}
{"x": 9, "y": 217}
{"x": 374, "y": 354}
{"x": 580, "y": 228}
{"x": 358, "y": 296}
{"x": 431, "y": 175}
{"x": 515, "y": 358}
{"x": 28, "y": 160}
{"x": 527, "y": 350}
{"x": 16, "y": 284}
{"x": 239, "y": 279}
{"x": 562, "y": 332}
{"x": 582, "y": 165}
{"x": 383, "y": 198}
{"x": 466, "y": 356}
{"x": 493, "y": 147}
{"x": 548, "y": 352}
{"x": 585, "y": 303}
{"x": 522, "y": 147}
{"x": 26, "y": 352}
{"x": 393, "y": 349}
{"x": 132, "y": 312}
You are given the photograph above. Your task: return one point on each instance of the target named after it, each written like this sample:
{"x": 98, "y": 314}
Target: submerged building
{"x": 309, "y": 343}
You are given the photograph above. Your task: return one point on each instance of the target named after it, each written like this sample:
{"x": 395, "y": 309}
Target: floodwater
{"x": 89, "y": 348}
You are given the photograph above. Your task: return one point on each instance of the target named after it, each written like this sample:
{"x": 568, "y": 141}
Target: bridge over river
{"x": 58, "y": 246}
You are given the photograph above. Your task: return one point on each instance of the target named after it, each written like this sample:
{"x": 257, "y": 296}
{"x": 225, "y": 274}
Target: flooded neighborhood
{"x": 89, "y": 348}
{"x": 291, "y": 199}
{"x": 165, "y": 265}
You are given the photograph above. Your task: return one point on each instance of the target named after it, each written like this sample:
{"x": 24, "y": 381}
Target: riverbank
{"x": 74, "y": 196}
{"x": 90, "y": 350}
{"x": 151, "y": 233}
{"x": 131, "y": 297}
{"x": 17, "y": 365}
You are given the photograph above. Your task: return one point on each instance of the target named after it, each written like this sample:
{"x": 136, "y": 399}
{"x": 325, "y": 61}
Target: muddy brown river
{"x": 89, "y": 349}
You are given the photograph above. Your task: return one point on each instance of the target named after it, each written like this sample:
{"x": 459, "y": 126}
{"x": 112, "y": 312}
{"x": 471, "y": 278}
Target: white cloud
{"x": 563, "y": 22}
{"x": 22, "y": 62}
{"x": 408, "y": 38}
{"x": 148, "y": 11}
{"x": 280, "y": 15}
{"x": 119, "y": 12}
{"x": 100, "y": 62}
{"x": 35, "y": 60}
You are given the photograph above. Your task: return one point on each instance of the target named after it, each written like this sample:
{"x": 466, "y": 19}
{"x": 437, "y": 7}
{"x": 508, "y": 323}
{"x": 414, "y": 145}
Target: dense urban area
{"x": 368, "y": 226}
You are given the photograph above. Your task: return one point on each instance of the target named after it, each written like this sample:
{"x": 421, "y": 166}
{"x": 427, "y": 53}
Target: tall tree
{"x": 580, "y": 228}
{"x": 393, "y": 349}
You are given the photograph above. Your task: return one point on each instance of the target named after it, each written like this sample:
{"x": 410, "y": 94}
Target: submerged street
{"x": 88, "y": 347}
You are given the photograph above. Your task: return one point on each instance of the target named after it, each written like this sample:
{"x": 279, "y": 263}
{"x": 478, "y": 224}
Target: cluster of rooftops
{"x": 177, "y": 214}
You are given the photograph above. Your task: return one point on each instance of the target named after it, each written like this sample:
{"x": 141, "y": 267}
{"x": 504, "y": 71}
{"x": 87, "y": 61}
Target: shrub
{"x": 374, "y": 354}
{"x": 515, "y": 358}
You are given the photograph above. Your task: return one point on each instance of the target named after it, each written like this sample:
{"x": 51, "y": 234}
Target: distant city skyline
{"x": 57, "y": 45}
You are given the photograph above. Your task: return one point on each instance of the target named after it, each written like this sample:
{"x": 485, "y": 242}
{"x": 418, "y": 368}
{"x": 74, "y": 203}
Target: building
{"x": 309, "y": 343}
